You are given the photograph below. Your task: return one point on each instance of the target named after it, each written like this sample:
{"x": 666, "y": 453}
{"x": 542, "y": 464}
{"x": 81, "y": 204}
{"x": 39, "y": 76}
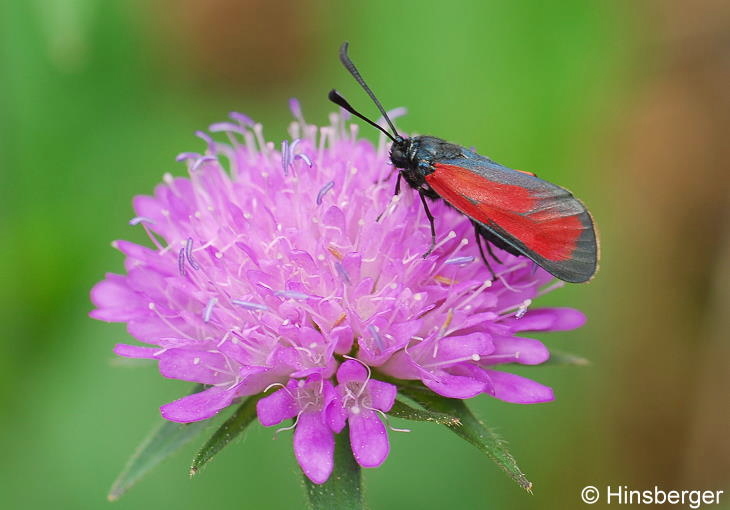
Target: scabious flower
{"x": 298, "y": 273}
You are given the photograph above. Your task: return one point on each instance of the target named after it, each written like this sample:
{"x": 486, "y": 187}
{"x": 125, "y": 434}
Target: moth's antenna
{"x": 336, "y": 98}
{"x": 345, "y": 59}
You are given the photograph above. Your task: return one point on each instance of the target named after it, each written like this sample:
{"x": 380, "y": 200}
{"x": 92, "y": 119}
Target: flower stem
{"x": 343, "y": 490}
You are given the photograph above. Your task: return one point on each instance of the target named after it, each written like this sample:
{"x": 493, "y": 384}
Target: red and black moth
{"x": 511, "y": 209}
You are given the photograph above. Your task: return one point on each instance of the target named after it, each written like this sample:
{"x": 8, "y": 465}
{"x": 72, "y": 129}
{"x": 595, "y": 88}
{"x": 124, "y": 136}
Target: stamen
{"x": 292, "y": 294}
{"x": 472, "y": 357}
{"x": 342, "y": 272}
{"x": 370, "y": 372}
{"x": 296, "y": 109}
{"x": 386, "y": 419}
{"x": 554, "y": 286}
{"x": 293, "y": 146}
{"x": 293, "y": 425}
{"x": 226, "y": 127}
{"x": 479, "y": 290}
{"x": 522, "y": 310}
{"x": 195, "y": 166}
{"x": 304, "y": 158}
{"x": 186, "y": 155}
{"x": 141, "y": 219}
{"x": 334, "y": 251}
{"x": 181, "y": 262}
{"x": 189, "y": 254}
{"x": 339, "y": 320}
{"x": 206, "y": 137}
{"x": 449, "y": 318}
{"x": 443, "y": 279}
{"x": 249, "y": 305}
{"x": 324, "y": 190}
{"x": 519, "y": 310}
{"x": 460, "y": 260}
{"x": 501, "y": 358}
{"x": 209, "y": 309}
{"x": 285, "y": 155}
{"x": 373, "y": 329}
{"x": 274, "y": 385}
{"x": 241, "y": 118}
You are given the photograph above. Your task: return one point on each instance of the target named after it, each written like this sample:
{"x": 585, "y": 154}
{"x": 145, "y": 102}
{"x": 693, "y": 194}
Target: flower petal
{"x": 192, "y": 365}
{"x": 382, "y": 394}
{"x": 518, "y": 389}
{"x": 455, "y": 386}
{"x": 314, "y": 447}
{"x": 198, "y": 406}
{"x": 276, "y": 408}
{"x": 135, "y": 351}
{"x": 549, "y": 319}
{"x": 351, "y": 371}
{"x": 368, "y": 438}
{"x": 336, "y": 415}
{"x": 526, "y": 351}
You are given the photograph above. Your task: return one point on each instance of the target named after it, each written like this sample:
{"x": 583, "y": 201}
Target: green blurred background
{"x": 624, "y": 102}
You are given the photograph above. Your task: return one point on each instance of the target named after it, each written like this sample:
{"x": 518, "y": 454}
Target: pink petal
{"x": 276, "y": 408}
{"x": 351, "y": 370}
{"x": 342, "y": 338}
{"x": 517, "y": 389}
{"x": 198, "y": 406}
{"x": 455, "y": 386}
{"x": 527, "y": 351}
{"x": 368, "y": 438}
{"x": 454, "y": 347}
{"x": 549, "y": 319}
{"x": 115, "y": 301}
{"x": 336, "y": 416}
{"x": 382, "y": 394}
{"x": 191, "y": 365}
{"x": 135, "y": 351}
{"x": 314, "y": 447}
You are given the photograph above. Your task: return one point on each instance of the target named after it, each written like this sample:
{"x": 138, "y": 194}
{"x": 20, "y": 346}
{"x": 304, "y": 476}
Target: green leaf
{"x": 471, "y": 429}
{"x": 227, "y": 432}
{"x": 402, "y": 410}
{"x": 343, "y": 490}
{"x": 565, "y": 358}
{"x": 162, "y": 442}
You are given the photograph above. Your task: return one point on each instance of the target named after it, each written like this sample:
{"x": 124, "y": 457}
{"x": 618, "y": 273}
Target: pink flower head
{"x": 271, "y": 267}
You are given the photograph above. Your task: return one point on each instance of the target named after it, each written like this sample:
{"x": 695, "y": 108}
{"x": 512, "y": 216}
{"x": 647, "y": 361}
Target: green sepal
{"x": 343, "y": 489}
{"x": 163, "y": 441}
{"x": 470, "y": 429}
{"x": 402, "y": 410}
{"x": 231, "y": 428}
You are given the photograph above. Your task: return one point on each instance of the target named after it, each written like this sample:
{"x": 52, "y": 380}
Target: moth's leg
{"x": 431, "y": 222}
{"x": 396, "y": 192}
{"x": 491, "y": 253}
{"x": 479, "y": 240}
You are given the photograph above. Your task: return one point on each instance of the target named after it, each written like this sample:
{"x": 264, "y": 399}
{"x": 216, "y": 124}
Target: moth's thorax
{"x": 422, "y": 151}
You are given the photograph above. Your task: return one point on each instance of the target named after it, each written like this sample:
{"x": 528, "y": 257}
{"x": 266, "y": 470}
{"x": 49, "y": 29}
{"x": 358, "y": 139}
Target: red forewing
{"x": 541, "y": 220}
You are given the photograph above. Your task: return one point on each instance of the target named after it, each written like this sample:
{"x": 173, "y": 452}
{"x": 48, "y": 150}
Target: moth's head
{"x": 401, "y": 152}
